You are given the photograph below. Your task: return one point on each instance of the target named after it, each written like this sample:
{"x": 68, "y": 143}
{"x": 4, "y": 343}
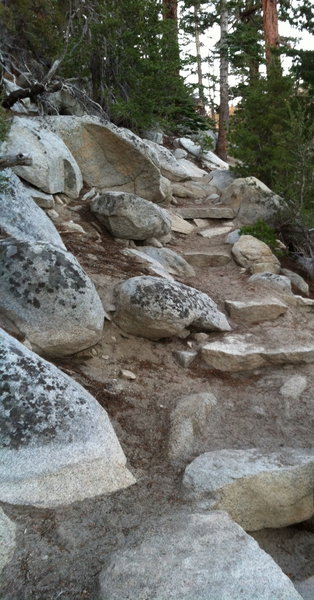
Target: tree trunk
{"x": 271, "y": 34}
{"x": 222, "y": 141}
{"x": 170, "y": 9}
{"x": 201, "y": 105}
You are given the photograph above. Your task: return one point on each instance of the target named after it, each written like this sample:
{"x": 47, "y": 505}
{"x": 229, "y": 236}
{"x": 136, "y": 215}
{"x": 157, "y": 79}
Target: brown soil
{"x": 61, "y": 552}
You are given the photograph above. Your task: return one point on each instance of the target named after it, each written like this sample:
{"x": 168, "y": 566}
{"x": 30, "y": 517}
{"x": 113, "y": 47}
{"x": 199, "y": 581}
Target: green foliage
{"x": 263, "y": 232}
{"x": 4, "y": 124}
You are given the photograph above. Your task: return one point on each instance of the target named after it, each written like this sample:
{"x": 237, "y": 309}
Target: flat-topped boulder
{"x": 54, "y": 168}
{"x": 243, "y": 352}
{"x": 206, "y": 212}
{"x": 112, "y": 158}
{"x": 257, "y": 310}
{"x": 212, "y": 232}
{"x": 208, "y": 258}
{"x": 20, "y": 217}
{"x": 193, "y": 557}
{"x": 155, "y": 308}
{"x": 272, "y": 280}
{"x": 257, "y": 489}
{"x": 298, "y": 284}
{"x": 253, "y": 254}
{"x": 179, "y": 224}
{"x": 48, "y": 298}
{"x": 173, "y": 262}
{"x": 127, "y": 216}
{"x": 57, "y": 443}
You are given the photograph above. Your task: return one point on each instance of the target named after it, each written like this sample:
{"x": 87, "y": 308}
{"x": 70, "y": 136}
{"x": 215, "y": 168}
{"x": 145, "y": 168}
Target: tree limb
{"x": 12, "y": 160}
{"x": 33, "y": 90}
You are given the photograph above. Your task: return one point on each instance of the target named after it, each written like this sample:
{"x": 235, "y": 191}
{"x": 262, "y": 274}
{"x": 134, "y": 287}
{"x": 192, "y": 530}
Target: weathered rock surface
{"x": 258, "y": 490}
{"x": 206, "y": 212}
{"x": 20, "y": 216}
{"x": 255, "y": 311}
{"x": 170, "y": 260}
{"x": 179, "y": 225}
{"x": 212, "y": 232}
{"x": 7, "y": 539}
{"x": 194, "y": 557}
{"x": 155, "y": 308}
{"x": 272, "y": 280}
{"x": 112, "y": 158}
{"x": 188, "y": 426}
{"x": 243, "y": 352}
{"x": 57, "y": 443}
{"x": 294, "y": 387}
{"x": 251, "y": 200}
{"x": 47, "y": 296}
{"x": 192, "y": 170}
{"x": 298, "y": 283}
{"x": 208, "y": 258}
{"x": 255, "y": 255}
{"x": 222, "y": 178}
{"x": 209, "y": 158}
{"x": 168, "y": 164}
{"x": 54, "y": 168}
{"x": 306, "y": 588}
{"x": 127, "y": 216}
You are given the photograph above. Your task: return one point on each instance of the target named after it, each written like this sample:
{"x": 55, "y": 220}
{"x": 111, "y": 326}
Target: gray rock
{"x": 194, "y": 557}
{"x": 180, "y": 153}
{"x": 170, "y": 260}
{"x": 153, "y": 266}
{"x": 193, "y": 171}
{"x": 185, "y": 357}
{"x": 188, "y": 423}
{"x": 206, "y": 212}
{"x": 305, "y": 588}
{"x": 7, "y": 539}
{"x": 208, "y": 258}
{"x": 257, "y": 489}
{"x": 249, "y": 252}
{"x": 222, "y": 178}
{"x": 294, "y": 387}
{"x": 127, "y": 216}
{"x": 48, "y": 297}
{"x": 233, "y": 236}
{"x": 20, "y": 216}
{"x": 43, "y": 200}
{"x": 297, "y": 282}
{"x": 155, "y": 308}
{"x": 112, "y": 158}
{"x": 272, "y": 280}
{"x": 251, "y": 200}
{"x": 54, "y": 168}
{"x": 257, "y": 310}
{"x": 57, "y": 443}
{"x": 168, "y": 164}
{"x": 238, "y": 352}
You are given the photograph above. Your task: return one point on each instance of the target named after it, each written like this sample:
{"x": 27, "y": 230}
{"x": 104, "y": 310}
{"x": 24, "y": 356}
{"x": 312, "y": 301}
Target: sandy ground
{"x": 61, "y": 552}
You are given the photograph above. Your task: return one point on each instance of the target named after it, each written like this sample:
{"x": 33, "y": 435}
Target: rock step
{"x": 206, "y": 212}
{"x": 243, "y": 353}
{"x": 256, "y": 310}
{"x": 208, "y": 258}
{"x": 257, "y": 489}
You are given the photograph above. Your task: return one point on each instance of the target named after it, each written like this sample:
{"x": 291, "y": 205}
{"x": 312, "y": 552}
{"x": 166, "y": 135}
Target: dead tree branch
{"x": 13, "y": 160}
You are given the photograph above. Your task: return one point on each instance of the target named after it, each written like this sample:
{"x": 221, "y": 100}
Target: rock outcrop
{"x": 251, "y": 200}
{"x": 7, "y": 539}
{"x": 57, "y": 443}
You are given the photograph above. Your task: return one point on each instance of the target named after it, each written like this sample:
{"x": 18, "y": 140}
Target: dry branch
{"x": 12, "y": 160}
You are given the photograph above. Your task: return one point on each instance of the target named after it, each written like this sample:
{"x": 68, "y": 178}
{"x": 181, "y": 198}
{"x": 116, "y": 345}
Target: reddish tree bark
{"x": 270, "y": 20}
{"x": 222, "y": 142}
{"x": 170, "y": 9}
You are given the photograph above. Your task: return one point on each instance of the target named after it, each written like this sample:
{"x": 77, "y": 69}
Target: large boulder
{"x": 57, "y": 443}
{"x": 193, "y": 557}
{"x": 156, "y": 308}
{"x": 130, "y": 217}
{"x": 255, "y": 255}
{"x": 257, "y": 489}
{"x": 7, "y": 539}
{"x": 222, "y": 178}
{"x": 168, "y": 164}
{"x": 170, "y": 260}
{"x": 251, "y": 200}
{"x": 112, "y": 158}
{"x": 47, "y": 296}
{"x": 20, "y": 216}
{"x": 54, "y": 169}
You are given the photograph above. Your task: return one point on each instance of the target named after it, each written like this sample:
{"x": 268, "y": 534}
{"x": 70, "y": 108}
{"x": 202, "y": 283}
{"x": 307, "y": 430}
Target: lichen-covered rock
{"x": 170, "y": 260}
{"x": 272, "y": 280}
{"x": 57, "y": 444}
{"x": 129, "y": 217}
{"x": 20, "y": 216}
{"x": 7, "y": 539}
{"x": 156, "y": 308}
{"x": 193, "y": 557}
{"x": 54, "y": 169}
{"x": 47, "y": 296}
{"x": 257, "y": 489}
{"x": 254, "y": 254}
{"x": 112, "y": 158}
